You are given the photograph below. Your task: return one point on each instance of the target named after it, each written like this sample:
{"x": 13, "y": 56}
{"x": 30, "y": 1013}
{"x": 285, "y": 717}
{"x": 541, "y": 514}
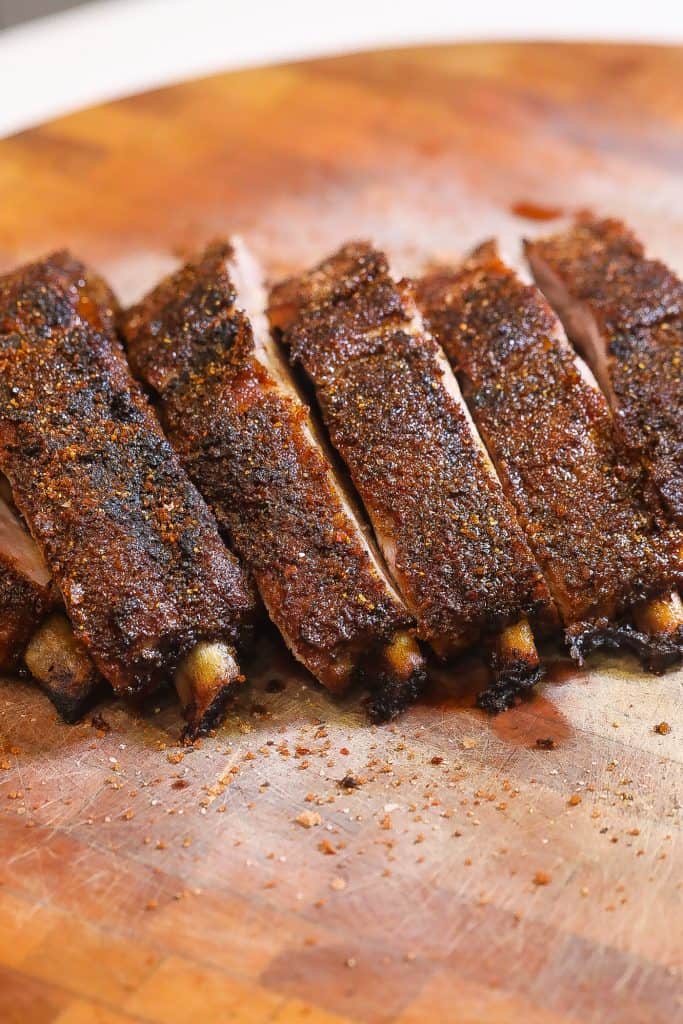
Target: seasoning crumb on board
{"x": 308, "y": 819}
{"x": 545, "y": 743}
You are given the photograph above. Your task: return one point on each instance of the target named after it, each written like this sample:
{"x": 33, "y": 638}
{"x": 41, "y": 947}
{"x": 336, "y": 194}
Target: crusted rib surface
{"x": 230, "y": 409}
{"x": 550, "y": 433}
{"x": 131, "y": 545}
{"x": 395, "y": 415}
{"x": 624, "y": 312}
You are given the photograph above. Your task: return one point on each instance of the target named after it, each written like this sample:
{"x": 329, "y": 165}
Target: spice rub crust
{"x": 245, "y": 440}
{"x": 448, "y": 534}
{"x": 130, "y": 543}
{"x": 636, "y": 307}
{"x": 551, "y": 436}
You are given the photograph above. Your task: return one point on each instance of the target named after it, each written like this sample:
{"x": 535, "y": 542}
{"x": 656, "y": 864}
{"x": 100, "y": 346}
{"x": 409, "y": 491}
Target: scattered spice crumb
{"x": 545, "y": 743}
{"x": 100, "y": 723}
{"x": 469, "y": 743}
{"x": 308, "y": 819}
{"x": 663, "y": 728}
{"x": 574, "y": 800}
{"x": 541, "y": 878}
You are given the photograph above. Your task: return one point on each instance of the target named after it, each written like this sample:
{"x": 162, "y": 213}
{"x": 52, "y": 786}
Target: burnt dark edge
{"x": 656, "y": 652}
{"x": 391, "y": 696}
{"x": 70, "y": 707}
{"x": 213, "y": 715}
{"x": 507, "y": 689}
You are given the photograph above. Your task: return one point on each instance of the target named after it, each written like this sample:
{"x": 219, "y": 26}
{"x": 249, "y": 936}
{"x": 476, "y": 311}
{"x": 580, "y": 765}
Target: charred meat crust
{"x": 657, "y": 653}
{"x": 506, "y": 690}
{"x": 551, "y": 437}
{"x": 391, "y": 696}
{"x": 636, "y": 306}
{"x": 130, "y": 543}
{"x": 244, "y": 441}
{"x": 460, "y": 559}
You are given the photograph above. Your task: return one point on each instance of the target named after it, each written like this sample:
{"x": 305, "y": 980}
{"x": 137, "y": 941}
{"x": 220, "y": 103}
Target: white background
{"x": 111, "y": 48}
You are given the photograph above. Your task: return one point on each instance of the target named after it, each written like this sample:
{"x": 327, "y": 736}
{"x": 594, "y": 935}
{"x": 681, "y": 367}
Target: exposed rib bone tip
{"x": 206, "y": 681}
{"x": 662, "y": 616}
{"x": 516, "y": 668}
{"x": 401, "y": 678}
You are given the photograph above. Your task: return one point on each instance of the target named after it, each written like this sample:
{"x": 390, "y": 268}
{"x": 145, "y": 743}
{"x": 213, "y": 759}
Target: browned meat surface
{"x": 229, "y": 407}
{"x": 550, "y": 434}
{"x": 395, "y": 415}
{"x": 143, "y": 572}
{"x": 624, "y": 313}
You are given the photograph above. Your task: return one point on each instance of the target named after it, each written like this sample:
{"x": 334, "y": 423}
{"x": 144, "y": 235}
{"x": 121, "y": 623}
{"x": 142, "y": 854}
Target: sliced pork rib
{"x": 549, "y": 431}
{"x": 147, "y": 582}
{"x": 229, "y": 407}
{"x": 395, "y": 415}
{"x": 30, "y": 621}
{"x": 624, "y": 313}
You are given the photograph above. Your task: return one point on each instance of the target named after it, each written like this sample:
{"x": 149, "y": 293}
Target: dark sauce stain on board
{"x": 457, "y": 684}
{"x": 535, "y": 211}
{"x": 535, "y": 719}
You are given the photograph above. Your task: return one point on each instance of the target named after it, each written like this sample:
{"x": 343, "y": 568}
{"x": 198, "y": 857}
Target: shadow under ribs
{"x": 549, "y": 431}
{"x": 147, "y": 582}
{"x": 395, "y": 415}
{"x": 229, "y": 406}
{"x": 624, "y": 313}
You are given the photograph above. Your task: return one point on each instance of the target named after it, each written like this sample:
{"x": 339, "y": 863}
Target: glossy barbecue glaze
{"x": 131, "y": 545}
{"x": 549, "y": 431}
{"x": 624, "y": 312}
{"x": 230, "y": 410}
{"x": 394, "y": 413}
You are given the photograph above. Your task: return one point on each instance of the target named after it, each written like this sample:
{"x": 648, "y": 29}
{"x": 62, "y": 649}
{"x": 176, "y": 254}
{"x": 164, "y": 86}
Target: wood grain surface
{"x": 460, "y": 872}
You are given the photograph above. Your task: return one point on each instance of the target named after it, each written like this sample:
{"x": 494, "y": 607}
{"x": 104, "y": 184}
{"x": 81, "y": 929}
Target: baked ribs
{"x": 147, "y": 582}
{"x": 624, "y": 313}
{"x": 228, "y": 404}
{"x": 549, "y": 431}
{"x": 394, "y": 414}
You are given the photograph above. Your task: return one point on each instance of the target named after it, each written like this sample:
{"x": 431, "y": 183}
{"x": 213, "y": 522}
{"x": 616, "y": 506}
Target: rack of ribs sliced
{"x": 229, "y": 406}
{"x": 395, "y": 415}
{"x": 148, "y": 584}
{"x": 624, "y": 313}
{"x": 549, "y": 431}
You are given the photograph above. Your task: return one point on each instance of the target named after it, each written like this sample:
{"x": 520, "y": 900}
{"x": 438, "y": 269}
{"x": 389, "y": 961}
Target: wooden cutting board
{"x": 460, "y": 872}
